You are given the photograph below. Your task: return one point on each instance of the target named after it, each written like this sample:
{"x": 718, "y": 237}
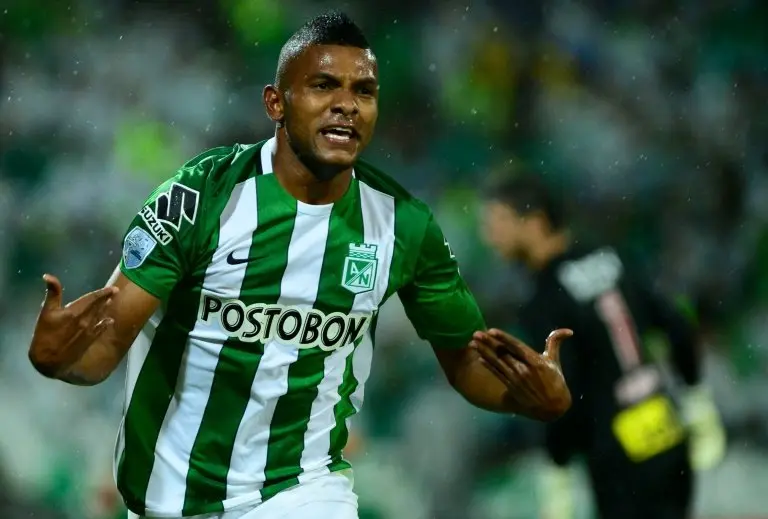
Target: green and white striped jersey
{"x": 243, "y": 383}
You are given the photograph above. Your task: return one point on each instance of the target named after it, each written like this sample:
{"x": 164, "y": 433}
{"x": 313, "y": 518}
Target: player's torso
{"x": 311, "y": 277}
{"x": 276, "y": 357}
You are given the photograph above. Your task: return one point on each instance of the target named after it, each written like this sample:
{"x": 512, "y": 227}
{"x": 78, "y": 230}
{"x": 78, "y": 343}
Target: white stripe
{"x": 379, "y": 218}
{"x": 266, "y": 155}
{"x": 137, "y": 354}
{"x": 378, "y": 229}
{"x": 361, "y": 370}
{"x": 322, "y": 419}
{"x": 298, "y": 288}
{"x": 167, "y": 483}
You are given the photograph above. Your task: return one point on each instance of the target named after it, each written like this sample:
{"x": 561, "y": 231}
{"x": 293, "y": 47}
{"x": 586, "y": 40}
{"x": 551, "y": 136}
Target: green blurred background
{"x": 648, "y": 118}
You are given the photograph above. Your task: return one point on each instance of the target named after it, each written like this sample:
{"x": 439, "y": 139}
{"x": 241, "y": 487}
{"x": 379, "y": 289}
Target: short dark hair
{"x": 526, "y": 194}
{"x": 330, "y": 28}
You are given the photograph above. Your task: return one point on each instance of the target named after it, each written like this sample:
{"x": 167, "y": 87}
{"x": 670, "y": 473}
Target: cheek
{"x": 306, "y": 108}
{"x": 369, "y": 112}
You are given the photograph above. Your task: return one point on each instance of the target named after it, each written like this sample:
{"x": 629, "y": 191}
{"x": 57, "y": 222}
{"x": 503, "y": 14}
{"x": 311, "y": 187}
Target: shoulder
{"x": 408, "y": 207}
{"x": 585, "y": 272}
{"x": 220, "y": 165}
{"x": 211, "y": 174}
{"x": 204, "y": 181}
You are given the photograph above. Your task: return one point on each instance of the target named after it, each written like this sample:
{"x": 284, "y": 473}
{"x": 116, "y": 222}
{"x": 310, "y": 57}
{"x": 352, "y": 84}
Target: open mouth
{"x": 339, "y": 134}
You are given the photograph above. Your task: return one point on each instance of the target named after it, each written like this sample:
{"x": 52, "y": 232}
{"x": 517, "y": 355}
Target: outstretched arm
{"x": 499, "y": 373}
{"x": 492, "y": 370}
{"x": 83, "y": 342}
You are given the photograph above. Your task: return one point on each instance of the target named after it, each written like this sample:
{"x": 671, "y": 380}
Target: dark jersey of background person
{"x": 622, "y": 419}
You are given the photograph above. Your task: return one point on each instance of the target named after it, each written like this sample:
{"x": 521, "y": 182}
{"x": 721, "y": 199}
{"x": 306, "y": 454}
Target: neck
{"x": 546, "y": 250}
{"x": 298, "y": 180}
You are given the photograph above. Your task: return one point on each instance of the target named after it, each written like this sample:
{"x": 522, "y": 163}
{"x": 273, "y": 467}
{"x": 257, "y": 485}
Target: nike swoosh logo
{"x": 232, "y": 260}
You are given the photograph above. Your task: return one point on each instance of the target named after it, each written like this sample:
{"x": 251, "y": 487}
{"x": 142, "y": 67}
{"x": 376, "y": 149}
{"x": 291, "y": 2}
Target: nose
{"x": 344, "y": 103}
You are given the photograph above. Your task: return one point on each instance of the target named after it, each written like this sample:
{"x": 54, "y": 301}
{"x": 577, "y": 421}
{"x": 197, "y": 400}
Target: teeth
{"x": 345, "y": 131}
{"x": 338, "y": 137}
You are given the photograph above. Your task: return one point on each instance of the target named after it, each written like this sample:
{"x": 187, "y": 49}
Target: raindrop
{"x": 432, "y": 67}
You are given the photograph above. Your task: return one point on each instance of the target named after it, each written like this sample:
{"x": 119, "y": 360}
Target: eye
{"x": 323, "y": 85}
{"x": 366, "y": 89}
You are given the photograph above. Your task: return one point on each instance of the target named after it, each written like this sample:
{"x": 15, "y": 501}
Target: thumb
{"x": 52, "y": 292}
{"x": 554, "y": 340}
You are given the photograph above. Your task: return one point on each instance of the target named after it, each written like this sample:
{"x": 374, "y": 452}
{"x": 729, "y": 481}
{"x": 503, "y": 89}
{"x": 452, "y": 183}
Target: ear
{"x": 273, "y": 103}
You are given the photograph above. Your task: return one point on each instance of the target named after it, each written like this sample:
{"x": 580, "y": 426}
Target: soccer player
{"x": 247, "y": 298}
{"x": 624, "y": 419}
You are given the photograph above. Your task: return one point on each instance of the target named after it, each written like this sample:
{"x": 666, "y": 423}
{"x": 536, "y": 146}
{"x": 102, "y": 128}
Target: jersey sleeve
{"x": 437, "y": 301}
{"x": 159, "y": 245}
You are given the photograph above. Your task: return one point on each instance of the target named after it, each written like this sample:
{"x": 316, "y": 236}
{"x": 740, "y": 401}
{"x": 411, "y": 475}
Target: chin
{"x": 326, "y": 166}
{"x": 338, "y": 159}
{"x": 336, "y": 154}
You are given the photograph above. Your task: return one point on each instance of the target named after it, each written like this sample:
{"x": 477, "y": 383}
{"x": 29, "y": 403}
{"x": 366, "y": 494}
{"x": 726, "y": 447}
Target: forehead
{"x": 337, "y": 60}
{"x": 498, "y": 208}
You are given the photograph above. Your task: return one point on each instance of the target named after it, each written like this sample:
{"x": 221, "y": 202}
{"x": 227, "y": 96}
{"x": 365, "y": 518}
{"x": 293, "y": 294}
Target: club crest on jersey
{"x": 170, "y": 208}
{"x": 360, "y": 267}
{"x": 136, "y": 247}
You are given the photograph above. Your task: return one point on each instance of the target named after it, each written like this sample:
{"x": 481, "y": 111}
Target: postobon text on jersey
{"x": 300, "y": 327}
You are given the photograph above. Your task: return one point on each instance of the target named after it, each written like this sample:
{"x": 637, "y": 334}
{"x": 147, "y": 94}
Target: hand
{"x": 535, "y": 381}
{"x": 62, "y": 335}
{"x": 707, "y": 441}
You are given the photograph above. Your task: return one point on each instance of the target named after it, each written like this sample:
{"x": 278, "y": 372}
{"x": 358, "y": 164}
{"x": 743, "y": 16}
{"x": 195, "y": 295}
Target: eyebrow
{"x": 366, "y": 80}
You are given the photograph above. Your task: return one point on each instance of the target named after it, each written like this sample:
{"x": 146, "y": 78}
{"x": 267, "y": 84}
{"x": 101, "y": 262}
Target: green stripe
{"x": 238, "y": 361}
{"x": 152, "y": 395}
{"x": 343, "y": 410}
{"x": 292, "y": 412}
{"x": 274, "y": 489}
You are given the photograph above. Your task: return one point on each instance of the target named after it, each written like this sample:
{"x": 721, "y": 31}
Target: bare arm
{"x": 469, "y": 375}
{"x": 81, "y": 344}
{"x": 500, "y": 374}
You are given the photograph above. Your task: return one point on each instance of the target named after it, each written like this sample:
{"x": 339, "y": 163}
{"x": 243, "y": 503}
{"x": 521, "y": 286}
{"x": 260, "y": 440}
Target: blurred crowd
{"x": 648, "y": 118}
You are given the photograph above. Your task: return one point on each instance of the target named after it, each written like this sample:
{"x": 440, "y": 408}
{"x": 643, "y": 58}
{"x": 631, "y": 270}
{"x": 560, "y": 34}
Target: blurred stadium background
{"x": 648, "y": 116}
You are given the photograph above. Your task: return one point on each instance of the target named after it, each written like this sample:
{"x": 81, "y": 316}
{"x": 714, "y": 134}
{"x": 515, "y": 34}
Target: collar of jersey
{"x": 309, "y": 209}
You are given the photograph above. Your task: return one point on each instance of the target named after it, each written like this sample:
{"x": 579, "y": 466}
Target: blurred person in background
{"x": 626, "y": 418}
{"x": 248, "y": 292}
